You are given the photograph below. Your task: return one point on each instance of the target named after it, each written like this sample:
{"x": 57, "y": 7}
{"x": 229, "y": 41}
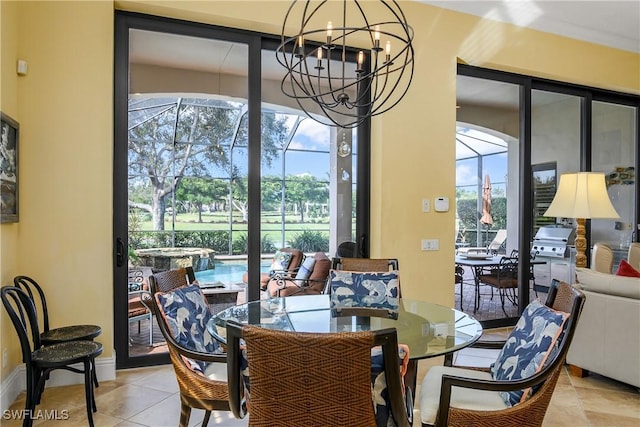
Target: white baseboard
{"x": 15, "y": 383}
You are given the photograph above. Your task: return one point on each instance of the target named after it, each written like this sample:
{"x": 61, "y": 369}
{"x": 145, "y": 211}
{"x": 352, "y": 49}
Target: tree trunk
{"x": 158, "y": 211}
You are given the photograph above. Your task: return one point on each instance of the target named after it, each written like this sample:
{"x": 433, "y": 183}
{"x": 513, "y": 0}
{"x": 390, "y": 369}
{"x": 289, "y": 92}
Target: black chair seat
{"x": 70, "y": 333}
{"x": 65, "y": 353}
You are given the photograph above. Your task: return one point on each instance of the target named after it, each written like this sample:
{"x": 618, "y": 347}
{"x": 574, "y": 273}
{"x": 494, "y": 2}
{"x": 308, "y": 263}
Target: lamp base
{"x": 581, "y": 243}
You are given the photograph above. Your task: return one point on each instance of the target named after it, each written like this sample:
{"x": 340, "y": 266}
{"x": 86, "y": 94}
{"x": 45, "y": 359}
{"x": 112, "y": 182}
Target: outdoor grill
{"x": 553, "y": 241}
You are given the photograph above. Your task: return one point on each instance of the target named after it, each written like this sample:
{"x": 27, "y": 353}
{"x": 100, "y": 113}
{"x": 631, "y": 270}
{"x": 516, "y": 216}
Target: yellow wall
{"x": 64, "y": 106}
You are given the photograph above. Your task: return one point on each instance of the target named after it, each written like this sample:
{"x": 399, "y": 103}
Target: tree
{"x": 303, "y": 189}
{"x": 170, "y": 138}
{"x": 199, "y": 192}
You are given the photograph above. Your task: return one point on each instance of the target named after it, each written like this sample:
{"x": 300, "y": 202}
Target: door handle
{"x": 120, "y": 252}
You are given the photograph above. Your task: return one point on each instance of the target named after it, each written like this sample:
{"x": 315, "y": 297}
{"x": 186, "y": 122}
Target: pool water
{"x": 228, "y": 271}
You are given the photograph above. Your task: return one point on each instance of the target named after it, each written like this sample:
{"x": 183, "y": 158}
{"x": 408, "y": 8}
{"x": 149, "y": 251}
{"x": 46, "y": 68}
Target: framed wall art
{"x": 9, "y": 169}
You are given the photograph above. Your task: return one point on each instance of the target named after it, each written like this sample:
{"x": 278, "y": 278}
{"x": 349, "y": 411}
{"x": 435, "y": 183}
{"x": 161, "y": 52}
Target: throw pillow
{"x": 305, "y": 270}
{"x": 364, "y": 289}
{"x": 625, "y": 269}
{"x": 281, "y": 261}
{"x": 528, "y": 347}
{"x": 187, "y": 313}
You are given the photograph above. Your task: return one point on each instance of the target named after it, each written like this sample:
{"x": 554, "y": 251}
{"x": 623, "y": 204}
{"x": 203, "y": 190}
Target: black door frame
{"x": 124, "y": 22}
{"x": 588, "y": 95}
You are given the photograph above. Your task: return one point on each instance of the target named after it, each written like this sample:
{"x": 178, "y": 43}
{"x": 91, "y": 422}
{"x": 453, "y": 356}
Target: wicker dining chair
{"x": 326, "y": 381}
{"x": 168, "y": 280}
{"x": 198, "y": 361}
{"x": 462, "y": 397}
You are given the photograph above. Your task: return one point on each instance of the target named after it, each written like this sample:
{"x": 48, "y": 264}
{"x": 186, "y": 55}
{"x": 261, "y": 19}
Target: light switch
{"x": 426, "y": 205}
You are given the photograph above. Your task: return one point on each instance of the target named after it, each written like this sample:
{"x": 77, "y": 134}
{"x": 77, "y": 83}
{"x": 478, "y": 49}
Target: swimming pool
{"x": 228, "y": 271}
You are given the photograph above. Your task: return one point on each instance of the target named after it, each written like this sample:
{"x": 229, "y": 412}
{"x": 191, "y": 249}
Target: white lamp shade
{"x": 582, "y": 195}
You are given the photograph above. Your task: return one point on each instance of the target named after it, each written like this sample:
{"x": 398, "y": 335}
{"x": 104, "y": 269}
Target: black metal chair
{"x": 505, "y": 279}
{"x": 41, "y": 359}
{"x": 48, "y": 335}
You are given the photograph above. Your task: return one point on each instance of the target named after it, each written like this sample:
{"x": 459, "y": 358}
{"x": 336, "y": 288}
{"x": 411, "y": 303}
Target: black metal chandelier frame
{"x": 319, "y": 62}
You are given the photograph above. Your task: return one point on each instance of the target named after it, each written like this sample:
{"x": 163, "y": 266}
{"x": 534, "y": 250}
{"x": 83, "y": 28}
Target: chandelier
{"x": 332, "y": 78}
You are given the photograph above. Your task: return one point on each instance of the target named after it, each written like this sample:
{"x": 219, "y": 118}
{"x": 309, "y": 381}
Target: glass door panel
{"x": 487, "y": 193}
{"x": 187, "y": 166}
{"x": 555, "y": 149}
{"x": 613, "y": 149}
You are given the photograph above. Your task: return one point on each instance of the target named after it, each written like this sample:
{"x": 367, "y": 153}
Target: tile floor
{"x": 149, "y": 397}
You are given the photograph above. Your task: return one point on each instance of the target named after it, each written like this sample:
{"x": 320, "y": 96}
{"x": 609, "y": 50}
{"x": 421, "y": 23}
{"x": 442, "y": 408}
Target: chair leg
{"x": 150, "y": 329}
{"x": 185, "y": 413}
{"x": 30, "y": 400}
{"x": 205, "y": 421}
{"x": 88, "y": 392}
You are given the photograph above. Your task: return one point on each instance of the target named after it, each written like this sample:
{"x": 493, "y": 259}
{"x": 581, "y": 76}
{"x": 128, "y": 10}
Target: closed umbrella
{"x": 486, "y": 218}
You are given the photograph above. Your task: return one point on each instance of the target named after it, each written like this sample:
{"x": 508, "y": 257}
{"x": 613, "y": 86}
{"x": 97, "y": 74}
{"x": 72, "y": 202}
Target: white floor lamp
{"x": 582, "y": 195}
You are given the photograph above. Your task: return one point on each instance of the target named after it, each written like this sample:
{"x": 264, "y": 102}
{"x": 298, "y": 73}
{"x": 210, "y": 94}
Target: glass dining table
{"x": 428, "y": 329}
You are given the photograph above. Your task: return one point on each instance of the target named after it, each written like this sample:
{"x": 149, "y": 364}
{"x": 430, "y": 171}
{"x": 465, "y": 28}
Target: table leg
{"x": 411, "y": 376}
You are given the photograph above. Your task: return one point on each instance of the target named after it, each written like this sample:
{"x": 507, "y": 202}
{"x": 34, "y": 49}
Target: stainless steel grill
{"x": 553, "y": 241}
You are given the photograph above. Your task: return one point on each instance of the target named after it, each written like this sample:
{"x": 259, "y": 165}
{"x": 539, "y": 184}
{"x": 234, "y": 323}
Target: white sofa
{"x": 607, "y": 339}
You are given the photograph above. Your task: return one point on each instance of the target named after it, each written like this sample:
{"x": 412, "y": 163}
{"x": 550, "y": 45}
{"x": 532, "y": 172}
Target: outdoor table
{"x": 478, "y": 262}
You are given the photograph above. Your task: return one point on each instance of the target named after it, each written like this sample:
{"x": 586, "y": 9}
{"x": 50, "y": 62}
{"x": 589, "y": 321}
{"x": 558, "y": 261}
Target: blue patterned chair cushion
{"x": 528, "y": 347}
{"x": 362, "y": 289}
{"x": 379, "y": 393}
{"x": 186, "y": 312}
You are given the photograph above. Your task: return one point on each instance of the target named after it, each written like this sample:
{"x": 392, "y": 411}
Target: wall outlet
{"x": 5, "y": 357}
{"x": 430, "y": 244}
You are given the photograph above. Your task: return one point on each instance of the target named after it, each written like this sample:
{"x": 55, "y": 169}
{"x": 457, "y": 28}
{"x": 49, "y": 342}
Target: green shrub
{"x": 310, "y": 241}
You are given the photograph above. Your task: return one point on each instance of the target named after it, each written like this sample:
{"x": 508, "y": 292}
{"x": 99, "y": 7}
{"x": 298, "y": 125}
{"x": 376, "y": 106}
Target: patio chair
{"x": 137, "y": 309}
{"x": 492, "y": 248}
{"x": 198, "y": 361}
{"x": 40, "y": 360}
{"x": 330, "y": 378}
{"x": 286, "y": 262}
{"x": 310, "y": 279}
{"x": 517, "y": 389}
{"x": 504, "y": 278}
{"x": 459, "y": 280}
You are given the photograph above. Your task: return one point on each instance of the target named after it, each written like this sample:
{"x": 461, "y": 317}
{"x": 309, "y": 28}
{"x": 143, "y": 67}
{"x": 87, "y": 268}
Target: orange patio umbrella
{"x": 486, "y": 218}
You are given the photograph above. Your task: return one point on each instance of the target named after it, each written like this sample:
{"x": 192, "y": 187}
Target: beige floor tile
{"x": 129, "y": 400}
{"x": 619, "y": 403}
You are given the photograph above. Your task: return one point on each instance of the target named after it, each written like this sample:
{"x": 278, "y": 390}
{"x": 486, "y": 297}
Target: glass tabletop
{"x": 428, "y": 329}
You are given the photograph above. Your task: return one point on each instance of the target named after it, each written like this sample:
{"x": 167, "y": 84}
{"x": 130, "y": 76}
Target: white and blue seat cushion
{"x": 530, "y": 344}
{"x": 365, "y": 289}
{"x": 186, "y": 312}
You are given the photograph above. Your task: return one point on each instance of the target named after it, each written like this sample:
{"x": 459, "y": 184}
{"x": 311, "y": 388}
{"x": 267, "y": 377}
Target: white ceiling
{"x": 613, "y": 23}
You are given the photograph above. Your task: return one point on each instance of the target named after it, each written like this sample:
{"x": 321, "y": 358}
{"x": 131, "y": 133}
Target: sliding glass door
{"x": 199, "y": 113}
{"x": 557, "y": 128}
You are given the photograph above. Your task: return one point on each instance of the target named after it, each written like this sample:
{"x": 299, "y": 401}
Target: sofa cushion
{"x": 625, "y": 269}
{"x": 527, "y": 348}
{"x": 305, "y": 270}
{"x": 593, "y": 281}
{"x": 321, "y": 268}
{"x": 281, "y": 261}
